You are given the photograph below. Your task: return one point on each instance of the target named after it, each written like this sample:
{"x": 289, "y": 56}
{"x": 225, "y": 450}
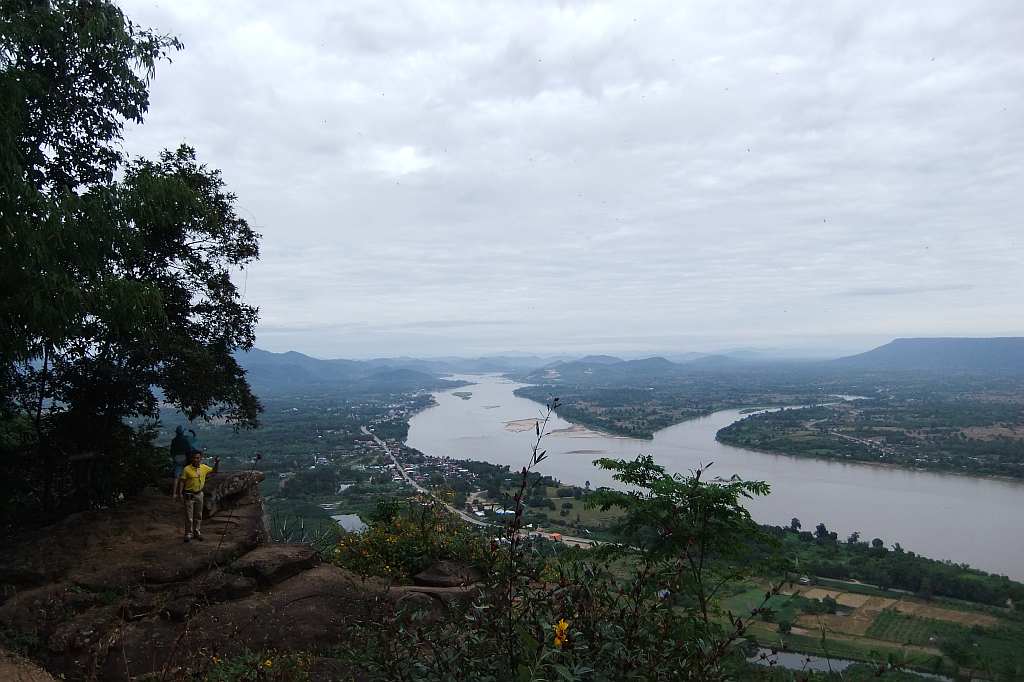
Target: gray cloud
{"x": 569, "y": 174}
{"x": 904, "y": 291}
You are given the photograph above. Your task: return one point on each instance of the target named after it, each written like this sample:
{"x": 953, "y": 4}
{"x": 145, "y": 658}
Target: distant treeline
{"x": 821, "y": 553}
{"x": 923, "y": 433}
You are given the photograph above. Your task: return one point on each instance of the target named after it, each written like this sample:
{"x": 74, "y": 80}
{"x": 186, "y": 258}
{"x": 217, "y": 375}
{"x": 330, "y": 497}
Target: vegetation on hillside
{"x": 955, "y": 433}
{"x": 645, "y": 611}
{"x": 114, "y": 273}
{"x": 684, "y": 596}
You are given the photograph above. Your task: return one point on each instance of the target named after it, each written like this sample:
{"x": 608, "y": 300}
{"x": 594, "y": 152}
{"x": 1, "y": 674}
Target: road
{"x": 567, "y": 539}
{"x": 863, "y": 441}
{"x": 408, "y": 479}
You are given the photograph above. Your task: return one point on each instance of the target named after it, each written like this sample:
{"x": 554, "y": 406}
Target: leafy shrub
{"x": 265, "y": 666}
{"x": 405, "y": 538}
{"x": 647, "y": 611}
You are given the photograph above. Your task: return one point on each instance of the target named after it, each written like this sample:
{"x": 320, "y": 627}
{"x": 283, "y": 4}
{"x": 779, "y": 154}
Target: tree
{"x": 683, "y": 520}
{"x": 878, "y": 543}
{"x": 853, "y": 538}
{"x": 926, "y": 591}
{"x": 115, "y": 276}
{"x": 821, "y": 532}
{"x": 794, "y": 524}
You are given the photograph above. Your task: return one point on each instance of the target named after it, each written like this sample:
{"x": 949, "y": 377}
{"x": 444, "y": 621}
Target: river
{"x": 943, "y": 516}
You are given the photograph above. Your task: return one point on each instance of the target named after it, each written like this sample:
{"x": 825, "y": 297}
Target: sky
{"x": 463, "y": 178}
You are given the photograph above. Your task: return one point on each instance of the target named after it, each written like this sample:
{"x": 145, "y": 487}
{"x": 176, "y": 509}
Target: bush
{"x": 642, "y": 610}
{"x": 265, "y": 666}
{"x": 406, "y": 538}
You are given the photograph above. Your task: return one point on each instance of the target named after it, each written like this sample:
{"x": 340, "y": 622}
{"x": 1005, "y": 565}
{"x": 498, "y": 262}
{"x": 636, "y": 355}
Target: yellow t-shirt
{"x": 195, "y": 480}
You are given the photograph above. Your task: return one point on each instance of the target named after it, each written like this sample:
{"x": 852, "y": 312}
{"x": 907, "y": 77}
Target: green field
{"x": 903, "y": 629}
{"x": 784, "y": 607}
{"x": 849, "y": 648}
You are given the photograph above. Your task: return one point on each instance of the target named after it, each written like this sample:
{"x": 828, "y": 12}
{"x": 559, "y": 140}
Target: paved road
{"x": 863, "y": 441}
{"x": 567, "y": 539}
{"x": 461, "y": 514}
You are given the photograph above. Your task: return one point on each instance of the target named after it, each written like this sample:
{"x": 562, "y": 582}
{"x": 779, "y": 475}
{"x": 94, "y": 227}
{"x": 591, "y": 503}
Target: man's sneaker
{"x": 188, "y": 538}
{"x": 198, "y": 536}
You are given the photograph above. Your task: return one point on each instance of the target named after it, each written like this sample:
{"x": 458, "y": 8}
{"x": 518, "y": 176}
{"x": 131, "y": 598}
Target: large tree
{"x": 115, "y": 287}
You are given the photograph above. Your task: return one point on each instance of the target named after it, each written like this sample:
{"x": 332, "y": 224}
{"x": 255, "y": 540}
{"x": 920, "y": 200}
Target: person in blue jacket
{"x": 182, "y": 449}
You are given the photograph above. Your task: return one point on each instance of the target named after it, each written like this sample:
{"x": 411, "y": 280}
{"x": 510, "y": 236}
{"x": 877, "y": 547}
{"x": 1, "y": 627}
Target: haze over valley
{"x": 553, "y": 341}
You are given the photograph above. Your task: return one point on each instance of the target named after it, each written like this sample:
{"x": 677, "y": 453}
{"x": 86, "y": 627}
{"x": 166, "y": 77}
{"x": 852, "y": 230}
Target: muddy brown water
{"x": 943, "y": 516}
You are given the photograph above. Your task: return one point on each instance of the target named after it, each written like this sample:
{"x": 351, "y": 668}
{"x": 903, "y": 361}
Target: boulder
{"x": 448, "y": 596}
{"x": 270, "y": 564}
{"x": 418, "y": 607}
{"x": 221, "y": 489}
{"x": 310, "y": 610}
{"x": 447, "y": 574}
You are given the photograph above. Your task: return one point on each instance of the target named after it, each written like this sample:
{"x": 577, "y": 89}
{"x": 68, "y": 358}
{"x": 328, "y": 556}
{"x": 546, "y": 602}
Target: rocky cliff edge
{"x": 115, "y": 594}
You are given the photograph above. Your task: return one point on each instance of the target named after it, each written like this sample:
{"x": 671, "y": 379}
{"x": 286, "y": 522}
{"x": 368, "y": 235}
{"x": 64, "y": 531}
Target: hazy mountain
{"x": 1004, "y": 354}
{"x": 600, "y": 359}
{"x": 605, "y": 369}
{"x": 456, "y": 365}
{"x": 683, "y": 358}
{"x": 709, "y": 362}
{"x": 295, "y": 371}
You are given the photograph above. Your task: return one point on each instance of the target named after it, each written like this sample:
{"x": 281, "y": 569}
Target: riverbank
{"x": 958, "y": 518}
{"x": 891, "y": 466}
{"x": 914, "y": 435}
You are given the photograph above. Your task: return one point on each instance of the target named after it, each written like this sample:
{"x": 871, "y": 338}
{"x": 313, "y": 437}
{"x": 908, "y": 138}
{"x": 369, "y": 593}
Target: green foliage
{"x": 115, "y": 275}
{"x": 263, "y": 666}
{"x": 407, "y": 537}
{"x": 322, "y": 534}
{"x": 995, "y": 651}
{"x": 921, "y": 430}
{"x": 546, "y": 612}
{"x": 876, "y": 565}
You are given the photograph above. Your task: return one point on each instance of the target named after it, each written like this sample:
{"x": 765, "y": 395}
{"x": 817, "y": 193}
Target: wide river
{"x": 968, "y": 520}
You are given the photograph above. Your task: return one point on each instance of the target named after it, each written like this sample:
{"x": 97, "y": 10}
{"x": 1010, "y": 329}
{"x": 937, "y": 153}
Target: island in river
{"x": 970, "y": 424}
{"x": 970, "y": 437}
{"x": 959, "y": 518}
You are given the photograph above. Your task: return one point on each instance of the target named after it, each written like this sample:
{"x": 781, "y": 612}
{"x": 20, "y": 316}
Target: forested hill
{"x": 602, "y": 369}
{"x": 291, "y": 371}
{"x": 1004, "y": 354}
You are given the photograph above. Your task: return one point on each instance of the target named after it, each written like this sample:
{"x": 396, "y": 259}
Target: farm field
{"x": 876, "y": 626}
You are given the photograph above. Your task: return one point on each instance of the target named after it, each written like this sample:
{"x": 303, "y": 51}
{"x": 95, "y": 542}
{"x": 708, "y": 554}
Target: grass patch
{"x": 897, "y": 627}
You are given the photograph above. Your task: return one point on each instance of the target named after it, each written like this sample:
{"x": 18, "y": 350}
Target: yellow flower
{"x": 216, "y": 661}
{"x": 268, "y": 663}
{"x": 561, "y": 632}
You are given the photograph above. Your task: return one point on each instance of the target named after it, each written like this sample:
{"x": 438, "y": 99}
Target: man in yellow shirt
{"x": 190, "y": 487}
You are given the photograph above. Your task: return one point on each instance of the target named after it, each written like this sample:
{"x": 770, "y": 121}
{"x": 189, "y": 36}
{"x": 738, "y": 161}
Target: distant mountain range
{"x": 275, "y": 372}
{"x": 290, "y": 371}
{"x": 1001, "y": 354}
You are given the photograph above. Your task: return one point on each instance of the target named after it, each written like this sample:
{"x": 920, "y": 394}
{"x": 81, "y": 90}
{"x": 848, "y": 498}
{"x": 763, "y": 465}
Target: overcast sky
{"x": 459, "y": 178}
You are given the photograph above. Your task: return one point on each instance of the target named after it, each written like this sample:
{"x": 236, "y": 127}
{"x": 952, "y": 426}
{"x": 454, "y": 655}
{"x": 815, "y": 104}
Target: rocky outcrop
{"x": 270, "y": 564}
{"x": 73, "y": 587}
{"x": 117, "y": 595}
{"x": 222, "y": 490}
{"x": 447, "y": 574}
